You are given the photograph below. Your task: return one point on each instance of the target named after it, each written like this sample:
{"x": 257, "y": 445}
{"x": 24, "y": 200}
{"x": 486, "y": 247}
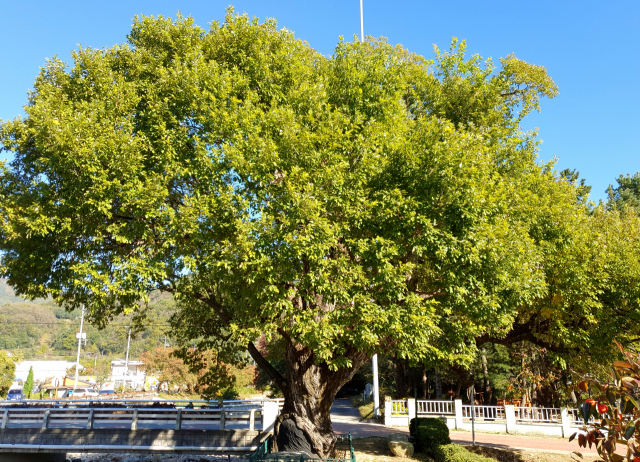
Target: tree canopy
{"x": 627, "y": 193}
{"x": 345, "y": 205}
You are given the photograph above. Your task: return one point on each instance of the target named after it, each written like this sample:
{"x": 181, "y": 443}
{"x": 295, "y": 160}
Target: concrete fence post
{"x": 252, "y": 419}
{"x": 45, "y": 419}
{"x": 387, "y": 412}
{"x": 510, "y": 415}
{"x": 134, "y": 420}
{"x": 270, "y": 413}
{"x": 566, "y": 422}
{"x": 457, "y": 407}
{"x": 5, "y": 419}
{"x": 179, "y": 420}
{"x": 411, "y": 409}
{"x": 90, "y": 420}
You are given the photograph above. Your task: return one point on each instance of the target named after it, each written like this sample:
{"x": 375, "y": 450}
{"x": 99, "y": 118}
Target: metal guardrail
{"x": 483, "y": 412}
{"x": 429, "y": 407}
{"x": 127, "y": 417}
{"x": 136, "y": 402}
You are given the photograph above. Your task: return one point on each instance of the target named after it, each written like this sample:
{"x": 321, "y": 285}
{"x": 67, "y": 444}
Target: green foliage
{"x": 280, "y": 184}
{"x": 23, "y": 325}
{"x": 45, "y": 328}
{"x": 457, "y": 453}
{"x": 627, "y": 194}
{"x": 582, "y": 188}
{"x": 7, "y": 373}
{"x": 428, "y": 434}
{"x": 28, "y": 384}
{"x": 231, "y": 393}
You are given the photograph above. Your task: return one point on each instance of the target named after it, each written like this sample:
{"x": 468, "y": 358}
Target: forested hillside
{"x": 41, "y": 328}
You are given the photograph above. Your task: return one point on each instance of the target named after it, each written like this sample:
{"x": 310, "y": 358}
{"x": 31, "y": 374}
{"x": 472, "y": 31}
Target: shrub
{"x": 230, "y": 393}
{"x": 457, "y": 453}
{"x": 428, "y": 434}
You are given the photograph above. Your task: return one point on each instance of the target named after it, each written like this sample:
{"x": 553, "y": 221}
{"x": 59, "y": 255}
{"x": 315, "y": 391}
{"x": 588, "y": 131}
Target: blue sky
{"x": 591, "y": 49}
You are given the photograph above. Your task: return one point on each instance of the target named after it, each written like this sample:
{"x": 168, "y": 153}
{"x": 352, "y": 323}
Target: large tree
{"x": 370, "y": 201}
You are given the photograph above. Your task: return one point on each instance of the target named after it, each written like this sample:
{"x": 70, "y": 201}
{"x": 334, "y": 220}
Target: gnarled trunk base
{"x": 305, "y": 422}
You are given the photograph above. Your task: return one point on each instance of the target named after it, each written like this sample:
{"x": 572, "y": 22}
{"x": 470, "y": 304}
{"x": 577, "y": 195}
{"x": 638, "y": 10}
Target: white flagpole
{"x": 361, "y": 23}
{"x": 75, "y": 381}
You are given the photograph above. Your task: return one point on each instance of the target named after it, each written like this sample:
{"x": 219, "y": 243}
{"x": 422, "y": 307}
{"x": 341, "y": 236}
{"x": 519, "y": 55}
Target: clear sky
{"x": 591, "y": 49}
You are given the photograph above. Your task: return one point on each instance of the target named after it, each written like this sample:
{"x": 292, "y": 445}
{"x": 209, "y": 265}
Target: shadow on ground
{"x": 376, "y": 449}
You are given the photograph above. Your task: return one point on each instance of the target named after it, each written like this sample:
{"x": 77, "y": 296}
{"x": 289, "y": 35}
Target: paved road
{"x": 343, "y": 411}
{"x": 346, "y": 419}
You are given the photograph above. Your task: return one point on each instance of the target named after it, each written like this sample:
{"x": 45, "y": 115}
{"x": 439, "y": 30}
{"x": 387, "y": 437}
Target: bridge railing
{"x": 177, "y": 403}
{"x": 126, "y": 417}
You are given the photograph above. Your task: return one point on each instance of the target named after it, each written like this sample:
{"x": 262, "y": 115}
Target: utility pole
{"x": 376, "y": 397}
{"x": 75, "y": 382}
{"x": 374, "y": 359}
{"x": 126, "y": 360}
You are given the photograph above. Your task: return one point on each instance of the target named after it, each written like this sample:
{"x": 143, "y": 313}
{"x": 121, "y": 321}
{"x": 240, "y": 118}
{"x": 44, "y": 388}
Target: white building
{"x": 42, "y": 370}
{"x": 127, "y": 375}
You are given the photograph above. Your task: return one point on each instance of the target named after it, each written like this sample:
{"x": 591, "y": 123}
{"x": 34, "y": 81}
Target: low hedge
{"x": 428, "y": 433}
{"x": 457, "y": 453}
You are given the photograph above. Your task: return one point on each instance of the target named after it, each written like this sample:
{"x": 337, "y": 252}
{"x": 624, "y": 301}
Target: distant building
{"x": 127, "y": 374}
{"x": 42, "y": 370}
{"x": 64, "y": 384}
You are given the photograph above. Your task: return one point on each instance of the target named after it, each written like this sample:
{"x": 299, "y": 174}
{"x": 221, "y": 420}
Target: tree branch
{"x": 267, "y": 367}
{"x": 517, "y": 334}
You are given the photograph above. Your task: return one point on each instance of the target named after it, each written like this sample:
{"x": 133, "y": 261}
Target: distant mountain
{"x": 7, "y": 295}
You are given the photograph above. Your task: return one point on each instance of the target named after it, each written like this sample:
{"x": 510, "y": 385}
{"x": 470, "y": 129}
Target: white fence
{"x": 538, "y": 414}
{"x": 483, "y": 412}
{"x": 509, "y": 419}
{"x": 399, "y": 407}
{"x": 426, "y": 408}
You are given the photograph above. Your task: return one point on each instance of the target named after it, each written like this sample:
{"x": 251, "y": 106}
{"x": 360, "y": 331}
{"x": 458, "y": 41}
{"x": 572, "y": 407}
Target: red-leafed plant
{"x": 613, "y": 404}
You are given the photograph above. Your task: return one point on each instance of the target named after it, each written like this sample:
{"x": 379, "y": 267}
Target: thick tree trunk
{"x": 308, "y": 395}
{"x": 487, "y": 384}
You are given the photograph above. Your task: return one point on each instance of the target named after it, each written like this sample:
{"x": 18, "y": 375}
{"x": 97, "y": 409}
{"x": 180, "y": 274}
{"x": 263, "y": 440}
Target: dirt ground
{"x": 375, "y": 449}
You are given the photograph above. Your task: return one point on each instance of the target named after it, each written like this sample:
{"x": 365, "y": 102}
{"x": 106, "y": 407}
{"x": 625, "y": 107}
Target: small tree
{"x": 613, "y": 402}
{"x": 28, "y": 385}
{"x": 7, "y": 373}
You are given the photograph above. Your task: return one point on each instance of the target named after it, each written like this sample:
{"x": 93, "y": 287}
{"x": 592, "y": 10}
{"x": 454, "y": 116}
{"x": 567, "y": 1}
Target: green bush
{"x": 230, "y": 393}
{"x": 457, "y": 453}
{"x": 428, "y": 434}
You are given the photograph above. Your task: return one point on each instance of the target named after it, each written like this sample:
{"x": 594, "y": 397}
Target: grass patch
{"x": 366, "y": 410}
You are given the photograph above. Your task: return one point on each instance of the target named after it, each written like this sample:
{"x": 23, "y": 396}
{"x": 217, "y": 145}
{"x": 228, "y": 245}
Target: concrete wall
{"x": 123, "y": 440}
